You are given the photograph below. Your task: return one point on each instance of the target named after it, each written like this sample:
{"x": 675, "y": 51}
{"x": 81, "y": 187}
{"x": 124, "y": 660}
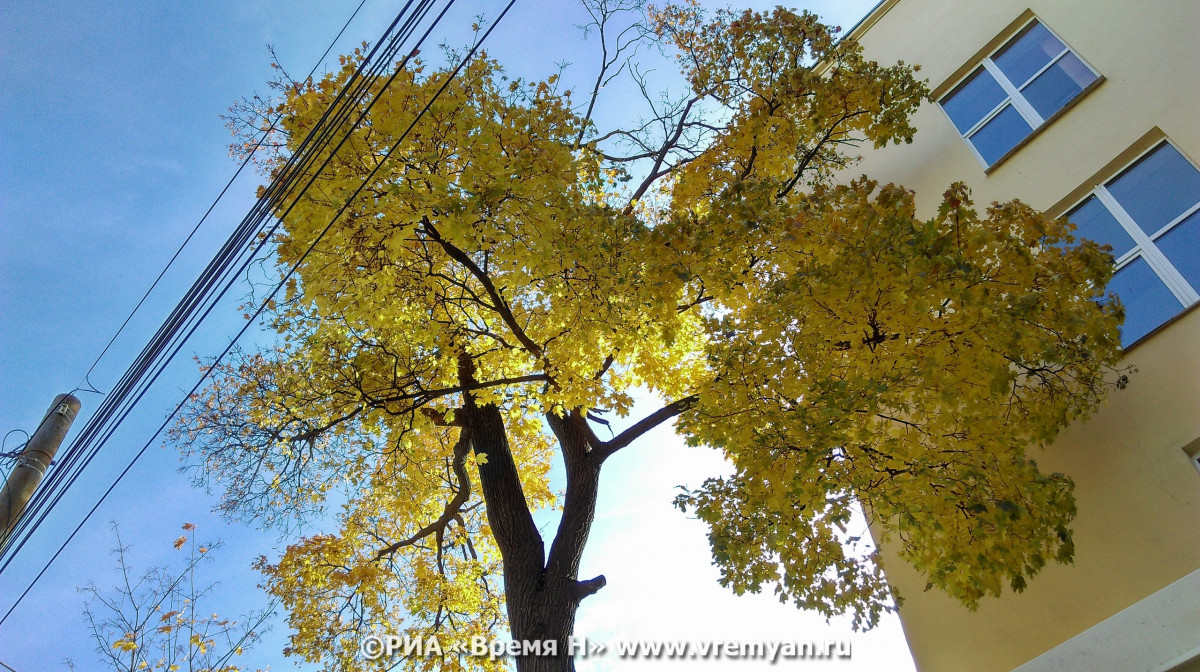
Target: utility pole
{"x": 33, "y": 462}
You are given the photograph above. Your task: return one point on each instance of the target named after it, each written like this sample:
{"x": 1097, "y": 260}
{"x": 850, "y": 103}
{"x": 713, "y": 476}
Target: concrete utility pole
{"x": 33, "y": 462}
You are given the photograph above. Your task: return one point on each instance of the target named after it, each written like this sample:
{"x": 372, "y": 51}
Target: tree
{"x": 514, "y": 272}
{"x": 155, "y": 622}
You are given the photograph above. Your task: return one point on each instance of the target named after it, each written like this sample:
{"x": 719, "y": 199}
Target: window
{"x": 1150, "y": 215}
{"x": 1015, "y": 91}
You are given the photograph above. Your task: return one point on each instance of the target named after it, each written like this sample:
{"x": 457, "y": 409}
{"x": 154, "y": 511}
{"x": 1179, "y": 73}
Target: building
{"x": 1091, "y": 109}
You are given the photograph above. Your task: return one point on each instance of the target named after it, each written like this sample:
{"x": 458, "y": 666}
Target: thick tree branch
{"x": 494, "y": 294}
{"x": 606, "y": 449}
{"x": 443, "y": 391}
{"x": 508, "y": 513}
{"x": 452, "y": 509}
{"x": 579, "y": 503}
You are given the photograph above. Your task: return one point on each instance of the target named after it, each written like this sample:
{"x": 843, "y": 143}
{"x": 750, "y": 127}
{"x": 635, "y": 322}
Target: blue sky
{"x": 111, "y": 147}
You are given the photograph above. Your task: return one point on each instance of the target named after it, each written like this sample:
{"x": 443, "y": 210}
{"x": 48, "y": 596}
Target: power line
{"x": 249, "y": 155}
{"x": 200, "y": 299}
{"x": 394, "y": 45}
{"x": 49, "y": 492}
{"x": 135, "y": 383}
{"x": 270, "y": 297}
{"x": 126, "y": 394}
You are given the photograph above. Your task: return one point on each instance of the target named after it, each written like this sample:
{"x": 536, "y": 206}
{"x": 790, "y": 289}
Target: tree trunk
{"x": 547, "y": 615}
{"x": 548, "y": 612}
{"x": 542, "y": 593}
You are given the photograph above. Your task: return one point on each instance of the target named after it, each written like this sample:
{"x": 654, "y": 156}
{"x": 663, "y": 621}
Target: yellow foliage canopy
{"x": 512, "y": 269}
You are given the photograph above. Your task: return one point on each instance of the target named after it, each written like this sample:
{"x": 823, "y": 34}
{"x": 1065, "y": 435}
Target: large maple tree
{"x": 514, "y": 270}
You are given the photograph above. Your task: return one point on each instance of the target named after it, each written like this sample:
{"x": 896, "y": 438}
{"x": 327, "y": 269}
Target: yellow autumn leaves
{"x": 838, "y": 349}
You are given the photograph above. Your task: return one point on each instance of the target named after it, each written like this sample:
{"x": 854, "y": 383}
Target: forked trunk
{"x": 542, "y": 591}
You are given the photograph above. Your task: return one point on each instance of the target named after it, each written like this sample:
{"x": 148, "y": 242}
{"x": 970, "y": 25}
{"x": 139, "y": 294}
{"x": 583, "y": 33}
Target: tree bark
{"x": 542, "y": 594}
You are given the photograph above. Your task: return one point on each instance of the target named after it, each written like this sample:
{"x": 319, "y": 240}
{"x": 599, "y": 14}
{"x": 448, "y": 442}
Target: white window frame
{"x": 1015, "y": 97}
{"x": 1192, "y": 451}
{"x": 1143, "y": 243}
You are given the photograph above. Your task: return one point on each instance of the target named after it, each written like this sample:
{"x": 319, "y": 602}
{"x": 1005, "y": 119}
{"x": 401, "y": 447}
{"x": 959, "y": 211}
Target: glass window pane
{"x": 1094, "y": 222}
{"x": 1000, "y": 134}
{"x": 1148, "y": 303}
{"x": 1058, "y": 85}
{"x": 1182, "y": 247}
{"x": 973, "y": 100}
{"x": 1027, "y": 54}
{"x": 1158, "y": 188}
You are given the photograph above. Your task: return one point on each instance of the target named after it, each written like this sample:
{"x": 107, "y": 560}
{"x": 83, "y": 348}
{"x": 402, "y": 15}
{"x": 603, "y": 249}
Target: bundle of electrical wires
{"x": 249, "y": 241}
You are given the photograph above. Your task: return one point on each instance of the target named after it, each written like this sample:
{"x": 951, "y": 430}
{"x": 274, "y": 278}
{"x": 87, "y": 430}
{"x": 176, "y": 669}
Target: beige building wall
{"x": 1148, "y": 53}
{"x": 1131, "y": 600}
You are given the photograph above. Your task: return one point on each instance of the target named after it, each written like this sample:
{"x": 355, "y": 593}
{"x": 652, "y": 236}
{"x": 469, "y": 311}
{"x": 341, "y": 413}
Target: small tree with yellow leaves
{"x": 156, "y": 622}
